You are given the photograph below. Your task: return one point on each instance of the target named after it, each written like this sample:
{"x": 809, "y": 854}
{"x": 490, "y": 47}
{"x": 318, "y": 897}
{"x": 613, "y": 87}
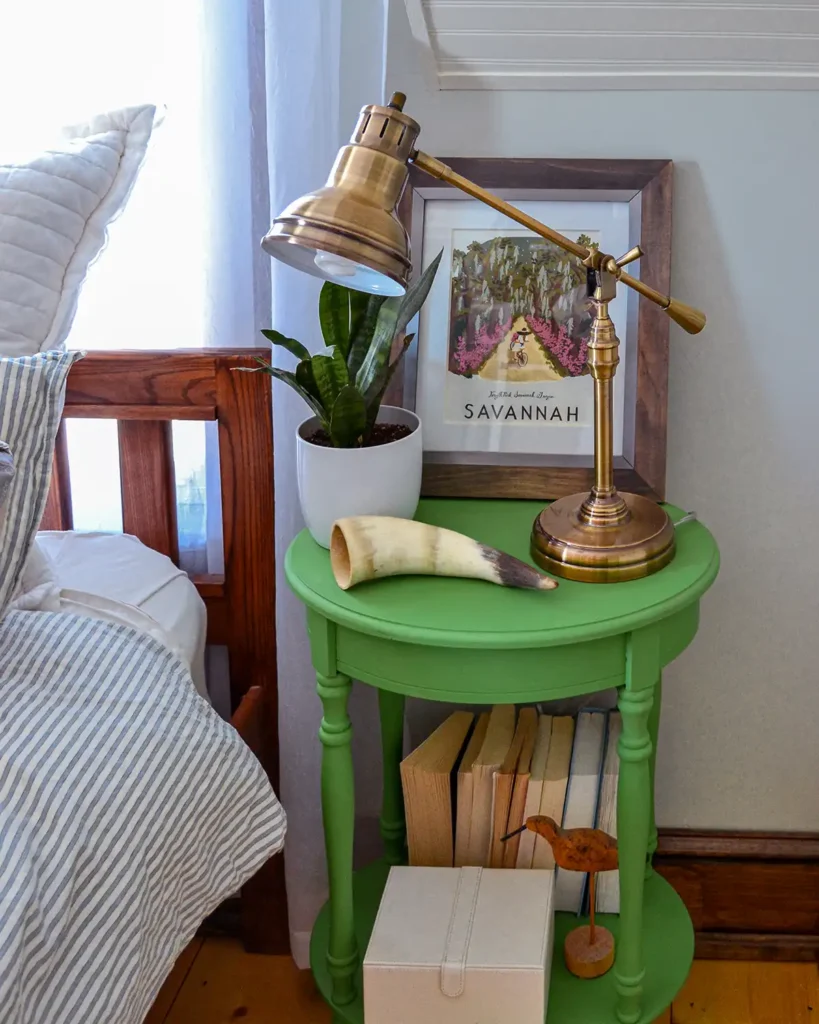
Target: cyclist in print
{"x": 517, "y": 347}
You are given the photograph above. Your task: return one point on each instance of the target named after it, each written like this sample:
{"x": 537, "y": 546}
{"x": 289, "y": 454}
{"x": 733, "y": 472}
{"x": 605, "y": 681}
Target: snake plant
{"x": 344, "y": 384}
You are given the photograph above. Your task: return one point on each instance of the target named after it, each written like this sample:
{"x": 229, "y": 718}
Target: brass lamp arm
{"x": 690, "y": 319}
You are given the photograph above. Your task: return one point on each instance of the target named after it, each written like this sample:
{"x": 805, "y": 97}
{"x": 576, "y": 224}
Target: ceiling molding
{"x": 617, "y": 44}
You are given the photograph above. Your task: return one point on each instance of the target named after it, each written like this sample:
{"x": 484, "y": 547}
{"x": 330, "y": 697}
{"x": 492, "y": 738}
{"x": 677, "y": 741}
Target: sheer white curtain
{"x": 180, "y": 269}
{"x": 303, "y": 47}
{"x": 325, "y": 59}
{"x": 258, "y": 95}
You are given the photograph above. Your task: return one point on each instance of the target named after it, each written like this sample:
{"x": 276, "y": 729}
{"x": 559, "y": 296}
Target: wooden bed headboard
{"x": 145, "y": 391}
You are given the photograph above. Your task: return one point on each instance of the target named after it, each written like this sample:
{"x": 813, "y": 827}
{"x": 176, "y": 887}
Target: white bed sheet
{"x": 121, "y": 569}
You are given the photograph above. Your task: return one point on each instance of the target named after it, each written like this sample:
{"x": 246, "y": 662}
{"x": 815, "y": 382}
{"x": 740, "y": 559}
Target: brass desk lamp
{"x": 348, "y": 232}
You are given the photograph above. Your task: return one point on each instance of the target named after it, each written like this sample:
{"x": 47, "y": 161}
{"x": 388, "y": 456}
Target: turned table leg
{"x": 653, "y": 730}
{"x": 393, "y": 827}
{"x": 633, "y": 816}
{"x": 338, "y": 806}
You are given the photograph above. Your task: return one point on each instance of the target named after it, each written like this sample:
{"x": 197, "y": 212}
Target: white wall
{"x": 739, "y": 742}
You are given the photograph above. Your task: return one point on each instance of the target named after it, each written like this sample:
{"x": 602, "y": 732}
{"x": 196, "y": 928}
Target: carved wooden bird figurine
{"x": 576, "y": 849}
{"x": 588, "y": 950}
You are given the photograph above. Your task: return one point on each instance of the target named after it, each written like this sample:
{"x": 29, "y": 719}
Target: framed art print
{"x": 498, "y": 370}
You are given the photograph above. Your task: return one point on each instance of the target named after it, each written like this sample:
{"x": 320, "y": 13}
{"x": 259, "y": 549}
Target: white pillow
{"x": 38, "y": 589}
{"x": 55, "y": 208}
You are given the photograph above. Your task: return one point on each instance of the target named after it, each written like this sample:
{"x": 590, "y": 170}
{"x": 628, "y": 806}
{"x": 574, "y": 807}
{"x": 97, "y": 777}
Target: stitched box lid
{"x": 461, "y": 919}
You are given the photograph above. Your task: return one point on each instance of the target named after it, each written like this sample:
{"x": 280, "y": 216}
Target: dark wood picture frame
{"x": 646, "y": 185}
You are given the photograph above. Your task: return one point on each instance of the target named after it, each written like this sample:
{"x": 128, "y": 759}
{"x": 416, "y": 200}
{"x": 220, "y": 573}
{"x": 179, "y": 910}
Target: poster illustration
{"x": 503, "y": 336}
{"x": 518, "y": 326}
{"x": 518, "y": 310}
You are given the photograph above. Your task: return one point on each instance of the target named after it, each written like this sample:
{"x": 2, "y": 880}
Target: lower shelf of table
{"x": 668, "y": 943}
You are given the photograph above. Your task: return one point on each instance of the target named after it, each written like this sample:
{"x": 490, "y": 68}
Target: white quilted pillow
{"x": 55, "y": 208}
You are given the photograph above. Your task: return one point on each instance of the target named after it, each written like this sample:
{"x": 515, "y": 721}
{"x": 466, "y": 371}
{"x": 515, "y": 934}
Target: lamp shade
{"x": 348, "y": 231}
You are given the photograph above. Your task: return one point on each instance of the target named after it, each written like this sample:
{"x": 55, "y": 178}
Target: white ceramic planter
{"x": 381, "y": 481}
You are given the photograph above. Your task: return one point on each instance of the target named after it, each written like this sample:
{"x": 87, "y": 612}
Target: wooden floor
{"x": 215, "y": 982}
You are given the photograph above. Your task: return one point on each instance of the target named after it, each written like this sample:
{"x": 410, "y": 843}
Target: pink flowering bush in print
{"x": 487, "y": 339}
{"x": 559, "y": 344}
{"x": 569, "y": 354}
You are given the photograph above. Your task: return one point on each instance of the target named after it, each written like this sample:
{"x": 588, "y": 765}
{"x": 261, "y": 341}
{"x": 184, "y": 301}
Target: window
{"x": 148, "y": 288}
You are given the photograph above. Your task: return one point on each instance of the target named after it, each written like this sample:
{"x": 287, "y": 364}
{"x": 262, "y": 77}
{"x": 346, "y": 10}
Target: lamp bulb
{"x": 355, "y": 275}
{"x": 335, "y": 266}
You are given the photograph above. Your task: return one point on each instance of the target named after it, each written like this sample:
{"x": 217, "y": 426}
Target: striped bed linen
{"x": 128, "y": 811}
{"x": 32, "y": 393}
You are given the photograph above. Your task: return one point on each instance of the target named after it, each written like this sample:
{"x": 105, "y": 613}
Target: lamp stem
{"x": 603, "y": 359}
{"x": 604, "y": 506}
{"x": 603, "y": 431}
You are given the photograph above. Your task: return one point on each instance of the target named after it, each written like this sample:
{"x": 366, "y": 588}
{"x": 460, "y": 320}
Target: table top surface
{"x": 472, "y": 613}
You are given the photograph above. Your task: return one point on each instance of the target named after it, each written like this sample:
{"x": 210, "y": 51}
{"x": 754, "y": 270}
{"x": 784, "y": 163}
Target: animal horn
{"x": 372, "y": 547}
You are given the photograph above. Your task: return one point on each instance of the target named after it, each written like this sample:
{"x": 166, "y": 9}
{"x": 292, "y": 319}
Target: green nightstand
{"x": 471, "y": 642}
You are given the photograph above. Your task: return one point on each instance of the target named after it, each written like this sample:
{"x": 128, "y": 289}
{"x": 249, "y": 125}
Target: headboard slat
{"x": 212, "y": 591}
{"x": 246, "y": 467}
{"x": 59, "y": 513}
{"x": 148, "y": 485}
{"x": 79, "y": 410}
{"x": 183, "y": 377}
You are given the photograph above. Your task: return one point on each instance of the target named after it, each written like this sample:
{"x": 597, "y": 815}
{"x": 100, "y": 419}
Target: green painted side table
{"x": 471, "y": 642}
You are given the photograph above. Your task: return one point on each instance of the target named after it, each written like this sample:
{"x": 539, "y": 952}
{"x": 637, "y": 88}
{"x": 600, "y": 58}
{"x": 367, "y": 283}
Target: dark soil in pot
{"x": 383, "y": 433}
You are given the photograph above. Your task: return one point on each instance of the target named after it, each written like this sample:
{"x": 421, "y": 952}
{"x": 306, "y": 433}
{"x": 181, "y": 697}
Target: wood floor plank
{"x": 226, "y": 984}
{"x": 739, "y": 992}
{"x": 216, "y": 982}
{"x": 173, "y": 983}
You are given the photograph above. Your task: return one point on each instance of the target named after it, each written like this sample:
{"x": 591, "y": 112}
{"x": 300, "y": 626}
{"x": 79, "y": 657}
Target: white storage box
{"x": 461, "y": 946}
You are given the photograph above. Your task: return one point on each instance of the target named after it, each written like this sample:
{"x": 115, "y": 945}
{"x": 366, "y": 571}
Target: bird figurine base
{"x": 589, "y": 955}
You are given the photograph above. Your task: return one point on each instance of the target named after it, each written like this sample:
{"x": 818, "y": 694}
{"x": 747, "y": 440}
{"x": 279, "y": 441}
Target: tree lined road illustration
{"x": 519, "y": 310}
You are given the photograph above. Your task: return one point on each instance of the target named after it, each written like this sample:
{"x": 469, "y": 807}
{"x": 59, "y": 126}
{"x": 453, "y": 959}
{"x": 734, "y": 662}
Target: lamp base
{"x": 635, "y": 543}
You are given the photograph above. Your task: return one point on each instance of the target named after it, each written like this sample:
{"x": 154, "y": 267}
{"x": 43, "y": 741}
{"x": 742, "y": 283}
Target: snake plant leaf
{"x": 359, "y": 303}
{"x": 378, "y": 354}
{"x": 416, "y": 294}
{"x": 375, "y": 395}
{"x": 348, "y": 420}
{"x": 393, "y": 318}
{"x": 330, "y": 374}
{"x": 292, "y": 346}
{"x": 305, "y": 378}
{"x": 290, "y": 378}
{"x": 263, "y": 367}
{"x": 334, "y": 315}
{"x": 341, "y": 365}
{"x": 362, "y": 335}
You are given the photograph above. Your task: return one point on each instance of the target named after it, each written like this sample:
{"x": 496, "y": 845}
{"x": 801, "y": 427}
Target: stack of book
{"x": 475, "y": 779}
